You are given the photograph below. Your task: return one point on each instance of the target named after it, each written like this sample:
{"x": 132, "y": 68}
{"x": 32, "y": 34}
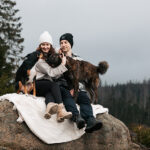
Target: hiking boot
{"x": 62, "y": 113}
{"x": 80, "y": 122}
{"x": 51, "y": 109}
{"x": 93, "y": 125}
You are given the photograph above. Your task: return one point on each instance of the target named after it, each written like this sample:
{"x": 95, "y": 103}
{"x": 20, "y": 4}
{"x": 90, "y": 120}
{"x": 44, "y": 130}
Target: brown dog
{"x": 81, "y": 71}
{"x": 86, "y": 73}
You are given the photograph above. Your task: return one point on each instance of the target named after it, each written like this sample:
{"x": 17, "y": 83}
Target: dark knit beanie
{"x": 68, "y": 37}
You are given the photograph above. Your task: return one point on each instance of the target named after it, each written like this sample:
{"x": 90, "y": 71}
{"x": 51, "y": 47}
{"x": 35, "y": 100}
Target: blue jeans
{"x": 83, "y": 100}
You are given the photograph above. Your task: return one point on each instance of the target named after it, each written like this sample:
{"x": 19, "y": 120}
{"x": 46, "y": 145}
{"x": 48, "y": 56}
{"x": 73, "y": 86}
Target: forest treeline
{"x": 10, "y": 44}
{"x": 128, "y": 102}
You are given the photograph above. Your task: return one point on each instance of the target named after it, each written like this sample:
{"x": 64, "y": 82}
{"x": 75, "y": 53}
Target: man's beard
{"x": 65, "y": 50}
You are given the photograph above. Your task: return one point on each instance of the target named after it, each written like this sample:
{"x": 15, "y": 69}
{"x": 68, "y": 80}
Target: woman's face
{"x": 45, "y": 47}
{"x": 65, "y": 45}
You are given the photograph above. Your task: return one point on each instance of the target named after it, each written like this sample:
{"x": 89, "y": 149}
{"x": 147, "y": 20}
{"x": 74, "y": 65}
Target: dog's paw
{"x": 26, "y": 94}
{"x": 21, "y": 93}
{"x": 34, "y": 97}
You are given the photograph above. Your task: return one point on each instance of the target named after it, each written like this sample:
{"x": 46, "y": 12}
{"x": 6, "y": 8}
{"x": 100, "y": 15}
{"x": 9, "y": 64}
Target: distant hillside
{"x": 128, "y": 102}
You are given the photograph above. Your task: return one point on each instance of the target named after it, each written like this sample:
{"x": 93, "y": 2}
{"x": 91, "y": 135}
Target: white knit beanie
{"x": 45, "y": 37}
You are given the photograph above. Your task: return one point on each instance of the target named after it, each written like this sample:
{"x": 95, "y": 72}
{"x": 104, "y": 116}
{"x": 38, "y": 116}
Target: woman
{"x": 44, "y": 82}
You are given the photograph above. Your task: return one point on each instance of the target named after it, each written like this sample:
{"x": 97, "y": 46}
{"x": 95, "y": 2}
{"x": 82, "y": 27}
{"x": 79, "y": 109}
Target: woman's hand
{"x": 63, "y": 59}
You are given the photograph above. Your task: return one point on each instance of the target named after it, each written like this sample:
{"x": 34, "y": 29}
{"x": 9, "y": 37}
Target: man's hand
{"x": 63, "y": 59}
{"x": 60, "y": 51}
{"x": 72, "y": 92}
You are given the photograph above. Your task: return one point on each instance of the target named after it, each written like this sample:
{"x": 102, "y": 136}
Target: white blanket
{"x": 32, "y": 110}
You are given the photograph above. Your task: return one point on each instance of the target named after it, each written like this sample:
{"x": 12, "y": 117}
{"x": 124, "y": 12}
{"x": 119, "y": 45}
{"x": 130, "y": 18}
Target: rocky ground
{"x": 114, "y": 135}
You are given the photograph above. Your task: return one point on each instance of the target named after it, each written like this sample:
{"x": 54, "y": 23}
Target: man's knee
{"x": 83, "y": 98}
{"x": 65, "y": 93}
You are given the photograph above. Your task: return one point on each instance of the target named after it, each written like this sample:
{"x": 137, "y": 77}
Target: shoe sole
{"x": 61, "y": 119}
{"x": 94, "y": 128}
{"x": 47, "y": 116}
{"x": 68, "y": 116}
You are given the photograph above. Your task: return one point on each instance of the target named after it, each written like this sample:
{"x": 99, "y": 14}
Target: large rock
{"x": 114, "y": 135}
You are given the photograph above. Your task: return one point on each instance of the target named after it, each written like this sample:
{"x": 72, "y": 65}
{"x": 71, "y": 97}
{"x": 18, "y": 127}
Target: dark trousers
{"x": 83, "y": 100}
{"x": 50, "y": 90}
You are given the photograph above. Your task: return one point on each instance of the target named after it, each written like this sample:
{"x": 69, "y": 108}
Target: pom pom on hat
{"x": 45, "y": 37}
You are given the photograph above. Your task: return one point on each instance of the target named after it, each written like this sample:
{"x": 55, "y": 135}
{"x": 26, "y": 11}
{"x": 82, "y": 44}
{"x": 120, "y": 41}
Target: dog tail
{"x": 102, "y": 67}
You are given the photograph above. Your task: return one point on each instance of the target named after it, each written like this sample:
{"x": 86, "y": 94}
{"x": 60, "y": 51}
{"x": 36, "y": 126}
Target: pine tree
{"x": 10, "y": 44}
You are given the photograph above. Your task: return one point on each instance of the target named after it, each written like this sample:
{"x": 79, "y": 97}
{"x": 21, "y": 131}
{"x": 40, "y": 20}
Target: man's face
{"x": 65, "y": 46}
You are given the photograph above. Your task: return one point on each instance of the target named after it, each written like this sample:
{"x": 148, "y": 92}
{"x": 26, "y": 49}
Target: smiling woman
{"x": 45, "y": 43}
{"x": 44, "y": 82}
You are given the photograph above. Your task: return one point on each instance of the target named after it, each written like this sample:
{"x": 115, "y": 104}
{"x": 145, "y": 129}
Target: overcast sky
{"x": 117, "y": 31}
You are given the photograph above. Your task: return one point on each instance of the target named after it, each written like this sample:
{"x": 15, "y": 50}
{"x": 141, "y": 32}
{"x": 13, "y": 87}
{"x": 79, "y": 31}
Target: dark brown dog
{"x": 81, "y": 71}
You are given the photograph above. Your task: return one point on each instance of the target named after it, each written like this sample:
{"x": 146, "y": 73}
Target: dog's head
{"x": 54, "y": 60}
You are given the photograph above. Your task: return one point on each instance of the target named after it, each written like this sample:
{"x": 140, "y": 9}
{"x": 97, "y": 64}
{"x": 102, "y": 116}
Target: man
{"x": 66, "y": 44}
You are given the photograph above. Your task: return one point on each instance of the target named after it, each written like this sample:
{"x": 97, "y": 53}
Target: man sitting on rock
{"x": 66, "y": 43}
